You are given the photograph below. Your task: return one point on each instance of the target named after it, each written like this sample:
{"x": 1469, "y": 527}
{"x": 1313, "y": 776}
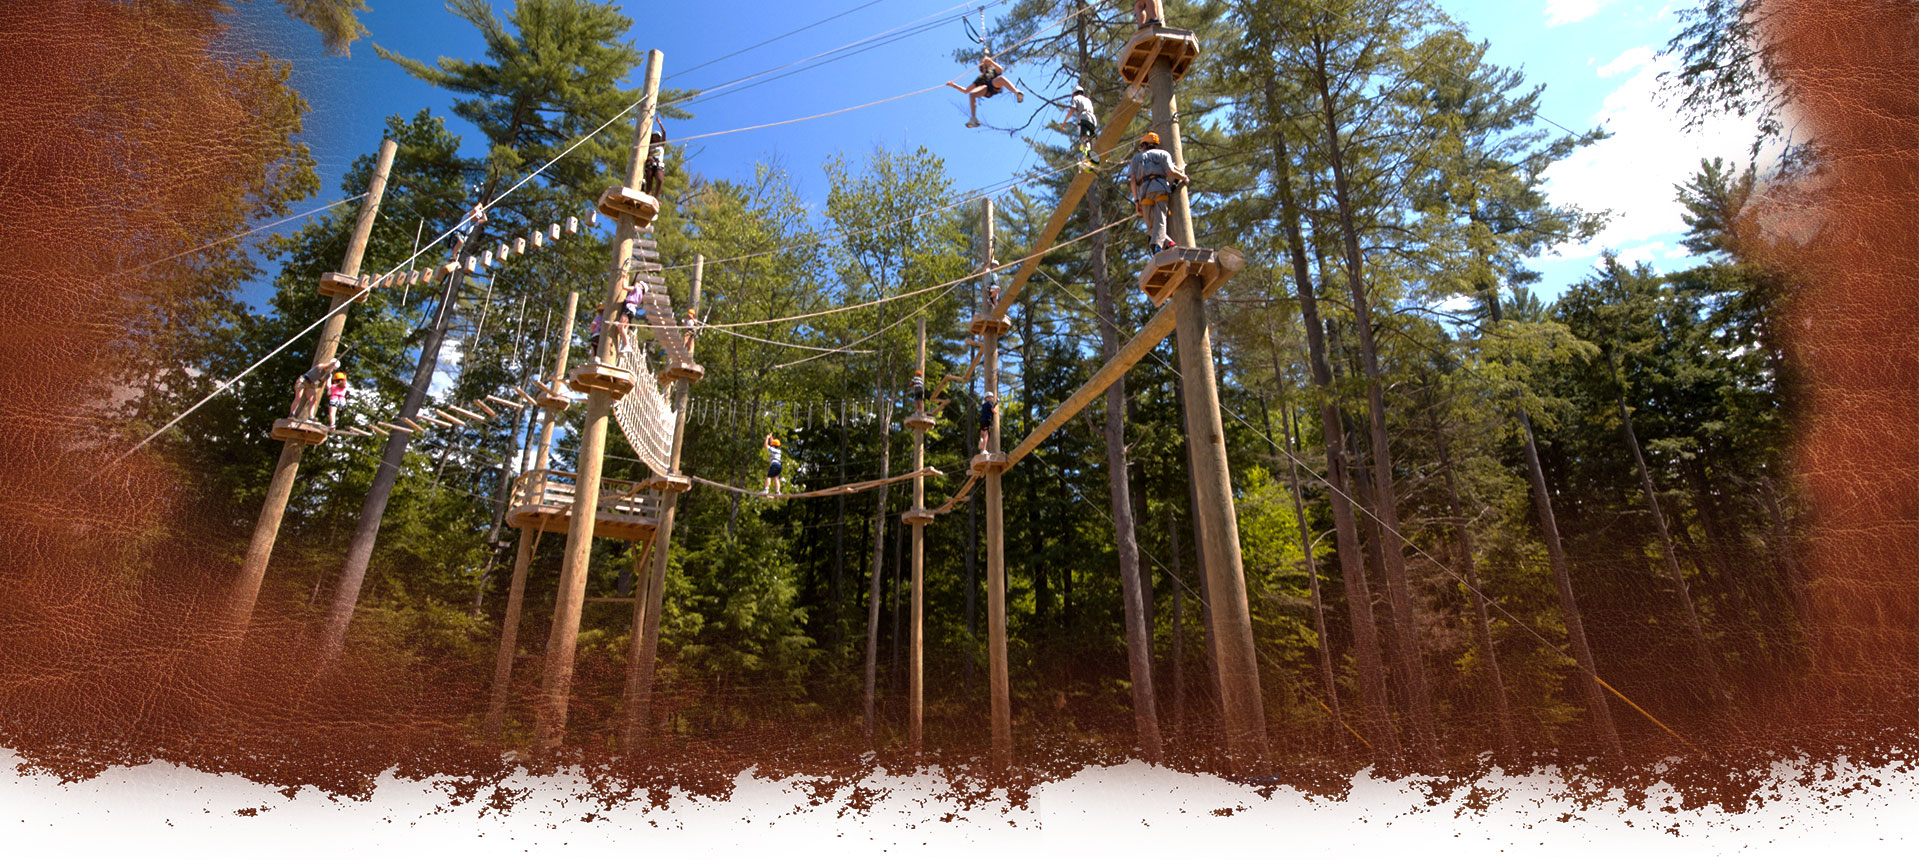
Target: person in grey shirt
{"x": 1151, "y": 175}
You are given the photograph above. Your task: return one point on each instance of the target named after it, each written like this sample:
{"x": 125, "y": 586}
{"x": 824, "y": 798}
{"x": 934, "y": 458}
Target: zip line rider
{"x": 772, "y": 484}
{"x": 1151, "y": 176}
{"x": 989, "y": 84}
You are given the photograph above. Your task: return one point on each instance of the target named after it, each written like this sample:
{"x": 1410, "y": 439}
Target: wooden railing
{"x": 620, "y": 500}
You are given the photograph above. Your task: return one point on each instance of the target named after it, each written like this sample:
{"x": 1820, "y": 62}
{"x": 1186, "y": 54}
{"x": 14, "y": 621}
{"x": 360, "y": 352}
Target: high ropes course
{"x": 620, "y": 383}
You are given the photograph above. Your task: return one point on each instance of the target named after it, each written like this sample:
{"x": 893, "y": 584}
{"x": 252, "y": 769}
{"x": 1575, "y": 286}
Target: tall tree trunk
{"x": 840, "y": 540}
{"x": 1399, "y": 597}
{"x": 360, "y": 549}
{"x": 1366, "y": 644}
{"x": 884, "y": 420}
{"x": 1482, "y": 622}
{"x": 1179, "y": 632}
{"x": 1708, "y": 514}
{"x": 968, "y": 435}
{"x": 1322, "y": 643}
{"x": 1702, "y": 653}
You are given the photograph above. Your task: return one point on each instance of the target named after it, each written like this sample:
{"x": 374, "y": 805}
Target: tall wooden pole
{"x": 916, "y": 687}
{"x": 267, "y": 529}
{"x": 556, "y": 681}
{"x": 645, "y": 647}
{"x": 1002, "y": 704}
{"x": 516, "y": 589}
{"x": 1238, "y": 675}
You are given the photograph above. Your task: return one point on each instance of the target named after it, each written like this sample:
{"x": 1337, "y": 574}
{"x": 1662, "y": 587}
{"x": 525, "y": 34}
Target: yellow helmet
{"x": 1151, "y": 138}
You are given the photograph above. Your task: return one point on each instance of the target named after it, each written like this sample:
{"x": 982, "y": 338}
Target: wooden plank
{"x": 393, "y": 427}
{"x": 528, "y": 397}
{"x": 411, "y": 426}
{"x": 1155, "y": 331}
{"x": 481, "y": 402}
{"x": 437, "y": 422}
{"x": 1109, "y": 138}
{"x": 468, "y": 413}
{"x": 450, "y": 418}
{"x": 501, "y": 401}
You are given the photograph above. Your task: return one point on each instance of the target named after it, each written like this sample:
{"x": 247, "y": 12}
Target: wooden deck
{"x": 299, "y": 430}
{"x": 1177, "y": 45}
{"x": 543, "y": 500}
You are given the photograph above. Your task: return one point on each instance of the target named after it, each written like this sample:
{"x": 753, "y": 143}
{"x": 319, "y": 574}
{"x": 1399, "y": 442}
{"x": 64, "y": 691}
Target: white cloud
{"x": 1572, "y": 11}
{"x": 1633, "y": 173}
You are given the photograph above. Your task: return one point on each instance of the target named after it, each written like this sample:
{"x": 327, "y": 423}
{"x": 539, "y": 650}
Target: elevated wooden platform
{"x": 621, "y": 200}
{"x": 987, "y": 464}
{"x": 678, "y": 370}
{"x": 664, "y": 483}
{"x": 1177, "y": 45}
{"x": 543, "y": 500}
{"x": 1170, "y": 269}
{"x": 918, "y": 421}
{"x": 983, "y": 325}
{"x": 917, "y": 517}
{"x": 299, "y": 430}
{"x": 593, "y": 376}
{"x": 336, "y": 285}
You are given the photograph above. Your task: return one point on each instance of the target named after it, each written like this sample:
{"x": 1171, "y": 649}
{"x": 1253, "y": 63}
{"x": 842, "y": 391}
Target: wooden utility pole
{"x": 645, "y": 647}
{"x": 918, "y": 516}
{"x": 267, "y": 529}
{"x": 1238, "y": 674}
{"x": 516, "y": 589}
{"x": 602, "y": 382}
{"x": 992, "y": 463}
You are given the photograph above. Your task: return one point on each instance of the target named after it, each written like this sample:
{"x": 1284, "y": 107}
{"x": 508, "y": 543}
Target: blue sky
{"x": 1597, "y": 58}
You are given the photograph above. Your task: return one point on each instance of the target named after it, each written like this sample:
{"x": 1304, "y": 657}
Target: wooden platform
{"x": 595, "y": 376}
{"x": 621, "y": 200}
{"x": 987, "y": 464}
{"x": 687, "y": 370}
{"x": 983, "y": 325}
{"x": 543, "y": 500}
{"x": 664, "y": 483}
{"x": 336, "y": 285}
{"x": 1170, "y": 269}
{"x": 917, "y": 517}
{"x": 1137, "y": 58}
{"x": 299, "y": 430}
{"x": 918, "y": 421}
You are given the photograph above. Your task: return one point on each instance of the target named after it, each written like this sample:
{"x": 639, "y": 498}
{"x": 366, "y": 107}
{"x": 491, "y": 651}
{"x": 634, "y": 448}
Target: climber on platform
{"x": 992, "y": 280}
{"x": 989, "y": 84}
{"x": 691, "y": 326}
{"x": 655, "y": 170}
{"x": 917, "y": 389}
{"x": 1151, "y": 176}
{"x": 772, "y": 485}
{"x": 988, "y": 407}
{"x": 336, "y": 398}
{"x": 308, "y": 388}
{"x": 1146, "y": 13}
{"x": 1084, "y": 126}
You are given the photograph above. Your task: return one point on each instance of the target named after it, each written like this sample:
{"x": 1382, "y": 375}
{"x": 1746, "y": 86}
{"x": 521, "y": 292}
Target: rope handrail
{"x": 843, "y": 489}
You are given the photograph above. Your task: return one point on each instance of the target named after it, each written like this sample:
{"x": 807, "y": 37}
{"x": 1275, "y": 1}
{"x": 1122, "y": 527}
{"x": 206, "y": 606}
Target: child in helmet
{"x": 1085, "y": 126}
{"x": 988, "y": 407}
{"x": 1151, "y": 175}
{"x": 989, "y": 84}
{"x": 772, "y": 484}
{"x": 336, "y": 398}
{"x": 655, "y": 170}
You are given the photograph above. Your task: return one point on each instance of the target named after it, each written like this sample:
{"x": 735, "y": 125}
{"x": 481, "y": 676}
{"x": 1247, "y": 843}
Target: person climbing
{"x": 308, "y": 388}
{"x": 992, "y": 281}
{"x": 1146, "y": 13}
{"x": 593, "y": 333}
{"x": 1085, "y": 126}
{"x": 917, "y": 389}
{"x": 691, "y": 326}
{"x": 989, "y": 84}
{"x": 988, "y": 407}
{"x": 336, "y": 398}
{"x": 772, "y": 485}
{"x": 655, "y": 170}
{"x": 1151, "y": 175}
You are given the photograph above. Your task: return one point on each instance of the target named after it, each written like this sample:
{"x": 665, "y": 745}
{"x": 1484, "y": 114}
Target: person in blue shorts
{"x": 772, "y": 485}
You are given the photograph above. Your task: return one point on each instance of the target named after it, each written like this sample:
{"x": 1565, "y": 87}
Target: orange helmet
{"x": 1151, "y": 138}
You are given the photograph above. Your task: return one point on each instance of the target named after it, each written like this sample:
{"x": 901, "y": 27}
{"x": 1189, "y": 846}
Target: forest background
{"x": 1375, "y": 167}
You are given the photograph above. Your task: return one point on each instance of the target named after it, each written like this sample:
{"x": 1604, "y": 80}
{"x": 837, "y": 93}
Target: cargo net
{"x": 644, "y": 414}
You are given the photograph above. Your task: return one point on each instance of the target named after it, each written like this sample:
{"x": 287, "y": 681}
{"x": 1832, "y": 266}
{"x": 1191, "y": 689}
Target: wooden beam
{"x": 1156, "y": 330}
{"x": 469, "y": 414}
{"x": 411, "y": 426}
{"x": 481, "y": 402}
{"x": 502, "y": 401}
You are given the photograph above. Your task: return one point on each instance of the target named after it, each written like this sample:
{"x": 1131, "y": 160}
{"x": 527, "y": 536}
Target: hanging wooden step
{"x": 983, "y": 325}
{"x": 918, "y": 421}
{"x": 542, "y": 499}
{"x": 550, "y": 398}
{"x": 594, "y": 375}
{"x": 666, "y": 483}
{"x": 988, "y": 464}
{"x": 917, "y": 517}
{"x": 1168, "y": 270}
{"x": 621, "y": 200}
{"x": 336, "y": 285}
{"x": 299, "y": 430}
{"x": 1177, "y": 45}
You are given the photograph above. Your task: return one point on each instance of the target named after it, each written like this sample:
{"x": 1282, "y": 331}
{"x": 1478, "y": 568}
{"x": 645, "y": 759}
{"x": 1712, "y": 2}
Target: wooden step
{"x": 1168, "y": 270}
{"x": 621, "y": 200}
{"x": 687, "y": 370}
{"x": 988, "y": 464}
{"x": 918, "y": 421}
{"x": 983, "y": 325}
{"x": 299, "y": 430}
{"x": 917, "y": 517}
{"x": 593, "y": 376}
{"x": 336, "y": 285}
